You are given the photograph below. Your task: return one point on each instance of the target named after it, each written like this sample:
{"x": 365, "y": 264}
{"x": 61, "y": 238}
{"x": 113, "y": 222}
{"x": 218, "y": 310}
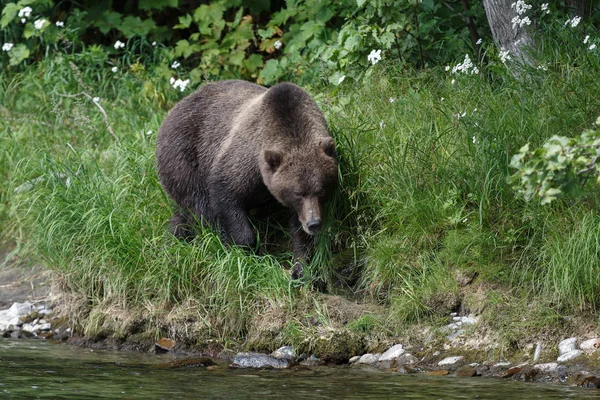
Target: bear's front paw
{"x": 297, "y": 270}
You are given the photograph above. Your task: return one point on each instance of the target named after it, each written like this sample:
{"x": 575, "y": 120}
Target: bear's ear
{"x": 328, "y": 146}
{"x": 272, "y": 159}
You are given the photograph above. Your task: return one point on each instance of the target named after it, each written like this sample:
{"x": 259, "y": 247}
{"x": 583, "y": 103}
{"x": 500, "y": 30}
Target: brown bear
{"x": 231, "y": 145}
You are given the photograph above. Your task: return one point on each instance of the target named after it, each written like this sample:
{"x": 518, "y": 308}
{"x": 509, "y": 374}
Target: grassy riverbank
{"x": 424, "y": 222}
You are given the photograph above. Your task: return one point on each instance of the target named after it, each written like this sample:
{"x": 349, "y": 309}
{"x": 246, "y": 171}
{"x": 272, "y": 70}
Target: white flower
{"x": 474, "y": 140}
{"x": 374, "y": 56}
{"x": 381, "y": 124}
{"x": 474, "y": 110}
{"x": 178, "y": 83}
{"x": 544, "y": 6}
{"x": 278, "y": 44}
{"x": 586, "y": 39}
{"x": 341, "y": 79}
{"x": 520, "y": 6}
{"x": 96, "y": 99}
{"x": 114, "y": 69}
{"x": 475, "y": 70}
{"x": 573, "y": 21}
{"x": 504, "y": 55}
{"x": 23, "y": 20}
{"x": 149, "y": 133}
{"x": 442, "y": 99}
{"x": 39, "y": 24}
{"x": 119, "y": 45}
{"x": 392, "y": 99}
{"x": 592, "y": 47}
{"x": 453, "y": 81}
{"x": 466, "y": 66}
{"x": 7, "y": 46}
{"x": 25, "y": 12}
{"x": 447, "y": 68}
{"x": 543, "y": 67}
{"x": 153, "y": 43}
{"x": 60, "y": 24}
{"x": 479, "y": 41}
{"x": 175, "y": 65}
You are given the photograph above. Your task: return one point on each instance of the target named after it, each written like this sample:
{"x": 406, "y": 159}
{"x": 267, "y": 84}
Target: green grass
{"x": 423, "y": 200}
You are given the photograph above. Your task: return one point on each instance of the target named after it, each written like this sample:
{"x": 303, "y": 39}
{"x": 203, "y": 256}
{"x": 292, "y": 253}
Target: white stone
{"x": 502, "y": 364}
{"x": 470, "y": 320}
{"x": 45, "y": 327}
{"x": 589, "y": 346}
{"x": 30, "y": 328}
{"x": 285, "y": 352}
{"x": 538, "y": 352}
{"x": 452, "y": 326}
{"x": 450, "y": 360}
{"x": 547, "y": 367}
{"x": 456, "y": 318}
{"x": 474, "y": 365}
{"x": 567, "y": 345}
{"x": 407, "y": 359}
{"x": 368, "y": 359}
{"x": 569, "y": 356}
{"x": 20, "y": 309}
{"x": 392, "y": 353}
{"x": 354, "y": 359}
{"x": 453, "y": 314}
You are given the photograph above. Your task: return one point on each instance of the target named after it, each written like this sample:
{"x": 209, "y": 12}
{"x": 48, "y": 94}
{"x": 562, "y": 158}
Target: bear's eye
{"x": 298, "y": 193}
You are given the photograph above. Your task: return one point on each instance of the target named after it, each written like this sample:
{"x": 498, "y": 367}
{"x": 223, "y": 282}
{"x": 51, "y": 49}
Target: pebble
{"x": 368, "y": 359}
{"x": 258, "y": 360}
{"x": 450, "y": 360}
{"x": 589, "y": 346}
{"x": 567, "y": 345}
{"x": 569, "y": 356}
{"x": 285, "y": 353}
{"x": 547, "y": 367}
{"x": 392, "y": 353}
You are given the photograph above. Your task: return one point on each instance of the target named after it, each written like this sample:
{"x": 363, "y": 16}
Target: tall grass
{"x": 423, "y": 198}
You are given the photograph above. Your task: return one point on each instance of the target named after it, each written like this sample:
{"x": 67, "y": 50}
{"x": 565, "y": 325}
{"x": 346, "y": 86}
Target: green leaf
{"x": 184, "y": 22}
{"x": 361, "y": 3}
{"x": 253, "y": 62}
{"x": 9, "y": 12}
{"x": 270, "y": 73}
{"x": 18, "y": 54}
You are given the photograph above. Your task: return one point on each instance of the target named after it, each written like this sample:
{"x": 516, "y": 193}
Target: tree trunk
{"x": 581, "y": 8}
{"x": 515, "y": 40}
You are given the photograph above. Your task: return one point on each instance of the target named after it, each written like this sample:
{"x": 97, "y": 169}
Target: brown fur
{"x": 231, "y": 145}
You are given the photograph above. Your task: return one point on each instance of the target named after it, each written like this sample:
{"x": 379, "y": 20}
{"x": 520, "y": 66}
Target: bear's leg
{"x": 234, "y": 223}
{"x": 302, "y": 244}
{"x": 182, "y": 226}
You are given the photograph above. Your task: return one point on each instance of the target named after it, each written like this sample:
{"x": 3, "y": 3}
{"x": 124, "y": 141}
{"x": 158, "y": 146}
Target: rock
{"x": 567, "y": 345}
{"x": 45, "y": 335}
{"x": 30, "y": 328}
{"x": 20, "y": 309}
{"x": 392, "y": 353}
{"x": 368, "y": 359}
{"x": 538, "y": 352}
{"x": 164, "y": 345}
{"x": 569, "y": 356}
{"x": 547, "y": 367}
{"x": 406, "y": 359}
{"x": 312, "y": 361}
{"x": 470, "y": 320}
{"x": 456, "y": 318}
{"x": 502, "y": 364}
{"x": 453, "y": 314}
{"x": 45, "y": 327}
{"x": 438, "y": 372}
{"x": 590, "y": 382}
{"x": 452, "y": 326}
{"x": 590, "y": 345}
{"x": 451, "y": 360}
{"x": 354, "y": 359}
{"x": 258, "y": 360}
{"x": 510, "y": 372}
{"x": 285, "y": 353}
{"x": 466, "y": 371}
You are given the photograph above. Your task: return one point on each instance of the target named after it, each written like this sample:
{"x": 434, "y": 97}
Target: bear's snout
{"x": 313, "y": 226}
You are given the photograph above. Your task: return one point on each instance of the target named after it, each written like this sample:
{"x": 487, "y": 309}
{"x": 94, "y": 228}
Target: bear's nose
{"x": 313, "y": 225}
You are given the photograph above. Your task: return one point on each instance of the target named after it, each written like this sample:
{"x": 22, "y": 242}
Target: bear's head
{"x": 302, "y": 178}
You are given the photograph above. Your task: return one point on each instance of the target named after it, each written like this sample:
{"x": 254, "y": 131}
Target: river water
{"x": 34, "y": 369}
